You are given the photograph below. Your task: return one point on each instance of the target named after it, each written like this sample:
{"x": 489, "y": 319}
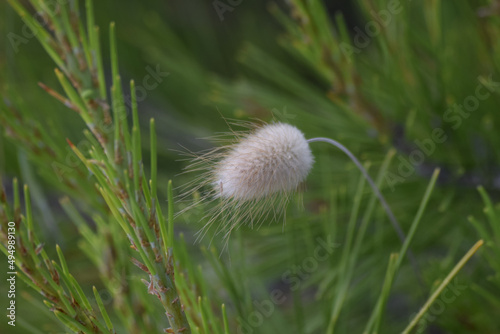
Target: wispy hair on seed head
{"x": 252, "y": 196}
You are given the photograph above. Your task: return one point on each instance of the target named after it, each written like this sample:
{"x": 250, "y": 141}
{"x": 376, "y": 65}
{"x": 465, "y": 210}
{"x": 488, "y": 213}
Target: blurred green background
{"x": 276, "y": 61}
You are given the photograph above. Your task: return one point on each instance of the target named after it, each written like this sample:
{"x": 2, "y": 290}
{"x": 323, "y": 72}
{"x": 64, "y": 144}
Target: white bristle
{"x": 275, "y": 158}
{"x": 252, "y": 180}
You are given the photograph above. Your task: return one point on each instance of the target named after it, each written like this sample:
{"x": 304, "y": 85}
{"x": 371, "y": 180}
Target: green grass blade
{"x": 443, "y": 285}
{"x": 104, "y": 313}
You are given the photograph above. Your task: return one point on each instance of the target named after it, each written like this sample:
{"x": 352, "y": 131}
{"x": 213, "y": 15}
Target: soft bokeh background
{"x": 394, "y": 92}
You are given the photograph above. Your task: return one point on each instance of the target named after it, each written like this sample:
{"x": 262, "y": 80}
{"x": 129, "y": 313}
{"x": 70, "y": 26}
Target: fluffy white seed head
{"x": 275, "y": 158}
{"x": 251, "y": 180}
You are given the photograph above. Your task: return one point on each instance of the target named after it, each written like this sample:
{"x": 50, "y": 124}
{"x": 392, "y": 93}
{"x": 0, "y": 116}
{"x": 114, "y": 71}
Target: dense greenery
{"x": 104, "y": 243}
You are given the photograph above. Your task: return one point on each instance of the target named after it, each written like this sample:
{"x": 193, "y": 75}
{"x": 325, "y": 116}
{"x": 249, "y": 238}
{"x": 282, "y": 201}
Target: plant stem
{"x": 443, "y": 285}
{"x": 377, "y": 192}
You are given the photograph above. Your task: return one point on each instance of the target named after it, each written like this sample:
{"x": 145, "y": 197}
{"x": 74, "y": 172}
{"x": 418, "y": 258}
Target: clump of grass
{"x": 155, "y": 282}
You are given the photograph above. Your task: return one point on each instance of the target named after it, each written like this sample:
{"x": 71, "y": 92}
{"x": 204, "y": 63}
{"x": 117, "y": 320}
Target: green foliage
{"x": 416, "y": 97}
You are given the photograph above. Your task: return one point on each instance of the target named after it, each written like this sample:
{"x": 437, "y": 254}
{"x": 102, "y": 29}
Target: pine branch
{"x": 63, "y": 295}
{"x": 116, "y": 163}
